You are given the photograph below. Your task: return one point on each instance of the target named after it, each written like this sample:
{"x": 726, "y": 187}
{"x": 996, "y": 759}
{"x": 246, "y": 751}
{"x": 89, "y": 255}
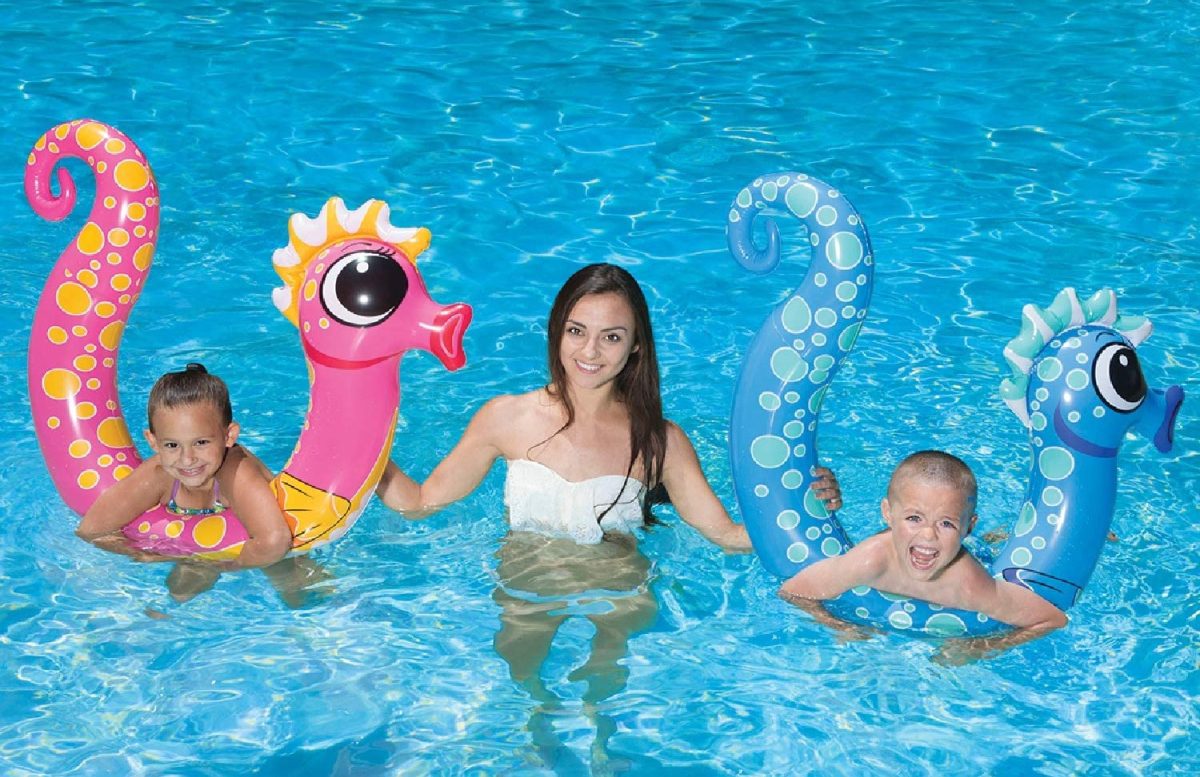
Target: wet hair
{"x": 938, "y": 467}
{"x": 637, "y": 385}
{"x": 193, "y": 385}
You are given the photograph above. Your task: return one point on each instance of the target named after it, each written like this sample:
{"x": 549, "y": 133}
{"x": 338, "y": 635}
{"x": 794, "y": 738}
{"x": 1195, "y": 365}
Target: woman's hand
{"x": 827, "y": 489}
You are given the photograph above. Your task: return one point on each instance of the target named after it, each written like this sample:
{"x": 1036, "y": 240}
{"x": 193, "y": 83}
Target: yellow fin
{"x": 311, "y": 512}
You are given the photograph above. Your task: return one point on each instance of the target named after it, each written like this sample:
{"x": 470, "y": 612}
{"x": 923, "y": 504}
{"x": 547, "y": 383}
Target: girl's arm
{"x": 124, "y": 500}
{"x": 247, "y": 482}
{"x": 459, "y": 473}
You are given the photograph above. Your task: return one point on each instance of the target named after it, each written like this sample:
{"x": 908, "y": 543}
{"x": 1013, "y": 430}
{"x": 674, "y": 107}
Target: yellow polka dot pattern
{"x": 85, "y": 303}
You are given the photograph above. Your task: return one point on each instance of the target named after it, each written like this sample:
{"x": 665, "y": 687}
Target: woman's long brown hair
{"x": 637, "y": 385}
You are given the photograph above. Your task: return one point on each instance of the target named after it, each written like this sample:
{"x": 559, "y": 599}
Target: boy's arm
{"x": 847, "y": 631}
{"x": 956, "y": 652}
{"x": 1012, "y": 604}
{"x": 123, "y": 501}
{"x": 1030, "y": 615}
{"x": 832, "y": 577}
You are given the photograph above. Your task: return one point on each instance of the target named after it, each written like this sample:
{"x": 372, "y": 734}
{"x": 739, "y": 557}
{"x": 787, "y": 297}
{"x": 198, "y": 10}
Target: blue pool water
{"x": 997, "y": 153}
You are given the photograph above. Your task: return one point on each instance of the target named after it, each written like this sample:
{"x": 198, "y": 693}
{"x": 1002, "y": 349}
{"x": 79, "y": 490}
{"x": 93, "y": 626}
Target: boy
{"x": 929, "y": 509}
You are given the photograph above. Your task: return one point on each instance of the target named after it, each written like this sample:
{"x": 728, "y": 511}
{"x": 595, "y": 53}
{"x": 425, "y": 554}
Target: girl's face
{"x": 191, "y": 442}
{"x": 597, "y": 340}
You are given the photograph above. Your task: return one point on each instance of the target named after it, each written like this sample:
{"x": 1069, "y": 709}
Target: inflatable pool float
{"x": 351, "y": 288}
{"x": 1076, "y": 384}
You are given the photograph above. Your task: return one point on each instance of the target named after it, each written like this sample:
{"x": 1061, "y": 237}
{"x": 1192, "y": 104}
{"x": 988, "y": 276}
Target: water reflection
{"x": 543, "y": 581}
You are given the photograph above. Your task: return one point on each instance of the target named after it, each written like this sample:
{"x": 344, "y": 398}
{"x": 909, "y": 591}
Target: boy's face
{"x": 191, "y": 442}
{"x": 928, "y": 522}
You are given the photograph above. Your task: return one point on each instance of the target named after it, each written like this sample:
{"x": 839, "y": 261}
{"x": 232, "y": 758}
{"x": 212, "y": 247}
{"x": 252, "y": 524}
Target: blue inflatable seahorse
{"x": 1077, "y": 385}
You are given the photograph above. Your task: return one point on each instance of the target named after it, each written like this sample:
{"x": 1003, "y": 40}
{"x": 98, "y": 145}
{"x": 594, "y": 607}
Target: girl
{"x": 198, "y": 468}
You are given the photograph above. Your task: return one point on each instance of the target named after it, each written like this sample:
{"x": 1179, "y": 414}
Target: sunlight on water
{"x": 997, "y": 154}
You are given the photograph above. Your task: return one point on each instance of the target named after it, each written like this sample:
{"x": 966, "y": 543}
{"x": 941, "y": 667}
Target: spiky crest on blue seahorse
{"x": 1076, "y": 384}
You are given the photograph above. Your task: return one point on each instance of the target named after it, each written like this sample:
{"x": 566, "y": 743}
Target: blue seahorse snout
{"x": 1157, "y": 419}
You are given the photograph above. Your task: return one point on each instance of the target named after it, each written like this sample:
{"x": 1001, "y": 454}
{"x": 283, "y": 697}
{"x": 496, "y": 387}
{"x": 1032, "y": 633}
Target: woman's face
{"x": 598, "y": 338}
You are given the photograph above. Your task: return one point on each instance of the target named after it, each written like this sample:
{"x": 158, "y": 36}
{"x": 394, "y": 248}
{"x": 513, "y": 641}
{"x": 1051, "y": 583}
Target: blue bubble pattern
{"x": 1077, "y": 386}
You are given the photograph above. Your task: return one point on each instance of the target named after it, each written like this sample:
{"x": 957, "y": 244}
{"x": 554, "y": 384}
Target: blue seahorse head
{"x": 1077, "y": 381}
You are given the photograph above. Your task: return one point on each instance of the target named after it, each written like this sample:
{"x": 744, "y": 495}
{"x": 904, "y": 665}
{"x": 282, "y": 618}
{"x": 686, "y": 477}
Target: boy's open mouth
{"x": 923, "y": 558}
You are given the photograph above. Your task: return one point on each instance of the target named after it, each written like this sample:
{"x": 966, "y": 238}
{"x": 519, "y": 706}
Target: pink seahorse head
{"x": 354, "y": 292}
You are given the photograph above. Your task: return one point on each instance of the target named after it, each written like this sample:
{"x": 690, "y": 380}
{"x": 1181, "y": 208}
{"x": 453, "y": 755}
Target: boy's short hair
{"x": 194, "y": 385}
{"x": 939, "y": 467}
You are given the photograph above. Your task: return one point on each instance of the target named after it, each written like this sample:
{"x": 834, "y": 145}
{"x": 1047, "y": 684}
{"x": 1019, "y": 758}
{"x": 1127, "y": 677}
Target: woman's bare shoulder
{"x": 511, "y": 407}
{"x": 678, "y": 441}
{"x": 513, "y": 422}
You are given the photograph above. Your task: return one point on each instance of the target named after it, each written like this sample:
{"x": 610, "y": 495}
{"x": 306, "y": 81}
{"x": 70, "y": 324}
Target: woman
{"x": 586, "y": 455}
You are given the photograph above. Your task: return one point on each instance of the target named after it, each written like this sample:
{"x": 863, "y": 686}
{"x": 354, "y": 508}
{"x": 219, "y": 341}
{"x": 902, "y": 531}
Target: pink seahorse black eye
{"x": 363, "y": 288}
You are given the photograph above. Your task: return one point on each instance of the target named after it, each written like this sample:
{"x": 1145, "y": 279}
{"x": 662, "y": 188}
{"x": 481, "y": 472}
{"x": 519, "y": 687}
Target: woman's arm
{"x": 459, "y": 473}
{"x": 698, "y": 506}
{"x": 124, "y": 500}
{"x": 693, "y": 497}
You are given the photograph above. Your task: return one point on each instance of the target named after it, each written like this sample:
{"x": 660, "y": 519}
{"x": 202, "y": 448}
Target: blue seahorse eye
{"x": 1118, "y": 378}
{"x": 363, "y": 288}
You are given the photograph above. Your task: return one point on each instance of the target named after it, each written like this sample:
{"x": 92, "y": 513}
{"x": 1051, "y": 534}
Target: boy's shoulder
{"x": 873, "y": 555}
{"x": 971, "y": 575}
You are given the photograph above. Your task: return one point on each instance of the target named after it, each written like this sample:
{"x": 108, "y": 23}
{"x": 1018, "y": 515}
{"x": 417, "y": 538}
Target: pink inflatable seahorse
{"x": 352, "y": 290}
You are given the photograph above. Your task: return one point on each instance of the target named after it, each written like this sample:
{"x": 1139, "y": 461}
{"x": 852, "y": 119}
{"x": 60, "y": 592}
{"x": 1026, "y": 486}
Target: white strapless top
{"x": 540, "y": 500}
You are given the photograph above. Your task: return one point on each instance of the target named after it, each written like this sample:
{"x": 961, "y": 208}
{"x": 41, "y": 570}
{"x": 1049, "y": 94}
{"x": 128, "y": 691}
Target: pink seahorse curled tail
{"x": 85, "y": 304}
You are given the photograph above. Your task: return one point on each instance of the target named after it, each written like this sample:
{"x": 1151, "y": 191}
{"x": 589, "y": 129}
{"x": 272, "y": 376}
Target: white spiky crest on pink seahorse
{"x": 308, "y": 239}
{"x": 1041, "y": 325}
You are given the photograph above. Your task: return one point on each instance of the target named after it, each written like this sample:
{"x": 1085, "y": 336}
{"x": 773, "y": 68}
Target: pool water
{"x": 997, "y": 152}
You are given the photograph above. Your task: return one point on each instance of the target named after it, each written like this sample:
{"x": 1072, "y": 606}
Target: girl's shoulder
{"x": 240, "y": 463}
{"x": 244, "y": 454}
{"x": 150, "y": 474}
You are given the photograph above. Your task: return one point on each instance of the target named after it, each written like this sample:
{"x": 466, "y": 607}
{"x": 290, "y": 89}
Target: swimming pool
{"x": 997, "y": 154}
